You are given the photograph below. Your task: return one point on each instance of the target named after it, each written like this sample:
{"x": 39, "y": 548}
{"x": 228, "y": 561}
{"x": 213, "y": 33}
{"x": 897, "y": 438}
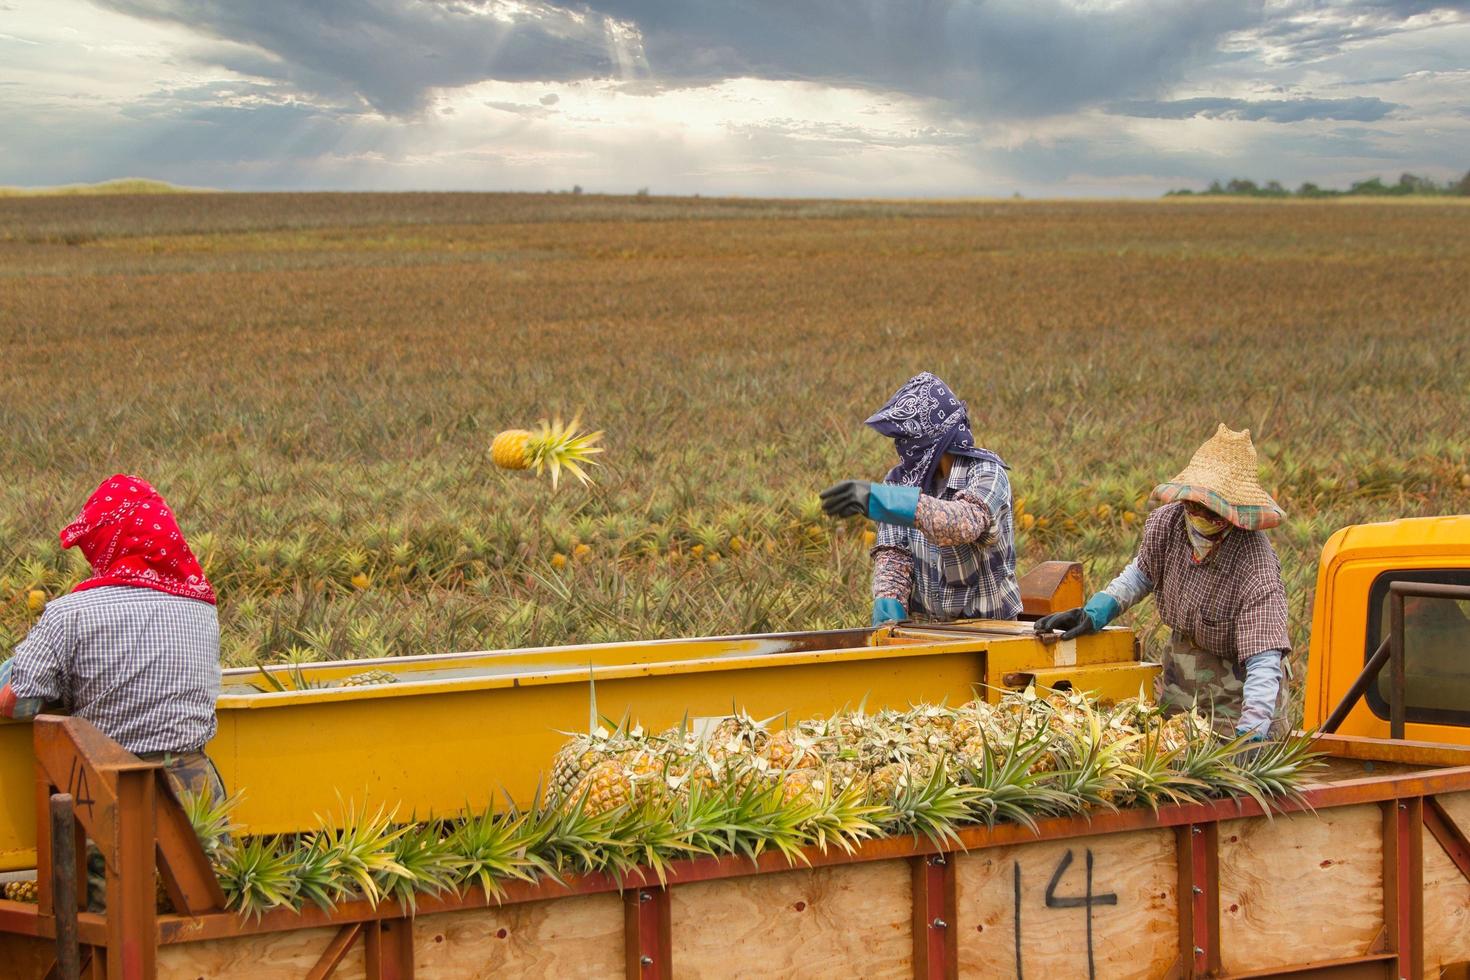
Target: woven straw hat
{"x": 1222, "y": 477}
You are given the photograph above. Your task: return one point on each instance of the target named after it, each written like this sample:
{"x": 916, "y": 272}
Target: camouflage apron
{"x": 1193, "y": 677}
{"x": 188, "y": 772}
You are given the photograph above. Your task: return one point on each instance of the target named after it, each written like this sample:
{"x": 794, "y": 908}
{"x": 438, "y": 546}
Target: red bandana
{"x": 130, "y": 538}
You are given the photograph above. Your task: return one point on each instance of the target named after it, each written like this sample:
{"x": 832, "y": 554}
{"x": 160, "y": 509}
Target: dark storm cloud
{"x": 1011, "y": 57}
{"x": 1269, "y": 110}
{"x": 391, "y": 53}
{"x": 1301, "y": 30}
{"x": 984, "y": 57}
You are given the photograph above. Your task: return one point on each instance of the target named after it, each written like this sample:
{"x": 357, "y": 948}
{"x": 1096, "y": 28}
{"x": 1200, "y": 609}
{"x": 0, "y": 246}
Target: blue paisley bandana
{"x": 925, "y": 420}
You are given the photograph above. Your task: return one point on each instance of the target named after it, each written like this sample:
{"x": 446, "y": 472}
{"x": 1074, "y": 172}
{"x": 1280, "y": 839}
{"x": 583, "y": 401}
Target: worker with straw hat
{"x": 1217, "y": 582}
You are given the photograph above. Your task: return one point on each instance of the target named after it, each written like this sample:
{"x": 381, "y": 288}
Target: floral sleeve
{"x": 892, "y": 573}
{"x": 952, "y": 522}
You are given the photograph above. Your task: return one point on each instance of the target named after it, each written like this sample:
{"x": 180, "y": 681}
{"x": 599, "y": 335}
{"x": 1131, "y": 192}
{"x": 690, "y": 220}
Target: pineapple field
{"x": 315, "y": 382}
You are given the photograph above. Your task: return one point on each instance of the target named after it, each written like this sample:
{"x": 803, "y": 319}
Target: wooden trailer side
{"x": 1447, "y": 897}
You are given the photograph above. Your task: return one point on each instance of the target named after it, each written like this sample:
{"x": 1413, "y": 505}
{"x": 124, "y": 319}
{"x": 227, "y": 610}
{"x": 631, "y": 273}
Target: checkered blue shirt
{"x": 141, "y": 665}
{"x": 966, "y": 581}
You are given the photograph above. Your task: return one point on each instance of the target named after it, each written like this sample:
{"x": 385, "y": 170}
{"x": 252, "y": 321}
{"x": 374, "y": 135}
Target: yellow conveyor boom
{"x": 463, "y": 730}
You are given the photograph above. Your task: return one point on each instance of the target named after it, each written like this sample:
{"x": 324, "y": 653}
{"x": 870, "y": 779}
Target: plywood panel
{"x": 568, "y": 937}
{"x": 1025, "y": 909}
{"x": 274, "y": 956}
{"x": 828, "y": 922}
{"x": 1446, "y": 895}
{"x": 1300, "y": 888}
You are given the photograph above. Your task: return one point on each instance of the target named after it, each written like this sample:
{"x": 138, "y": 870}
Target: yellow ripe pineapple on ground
{"x": 553, "y": 446}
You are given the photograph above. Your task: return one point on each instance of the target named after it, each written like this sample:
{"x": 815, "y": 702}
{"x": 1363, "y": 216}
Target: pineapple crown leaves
{"x": 490, "y": 847}
{"x": 844, "y": 818}
{"x": 213, "y": 819}
{"x": 256, "y": 875}
{"x": 425, "y": 852}
{"x": 1281, "y": 769}
{"x": 358, "y": 848}
{"x": 934, "y": 808}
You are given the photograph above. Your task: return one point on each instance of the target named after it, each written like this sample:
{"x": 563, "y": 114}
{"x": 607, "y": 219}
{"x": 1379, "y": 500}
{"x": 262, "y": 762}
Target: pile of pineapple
{"x": 1042, "y": 753}
{"x": 21, "y": 891}
{"x": 622, "y": 800}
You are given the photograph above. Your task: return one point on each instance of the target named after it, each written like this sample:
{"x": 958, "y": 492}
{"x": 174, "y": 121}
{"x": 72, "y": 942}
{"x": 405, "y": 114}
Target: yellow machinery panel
{"x": 462, "y": 730}
{"x": 1352, "y": 561}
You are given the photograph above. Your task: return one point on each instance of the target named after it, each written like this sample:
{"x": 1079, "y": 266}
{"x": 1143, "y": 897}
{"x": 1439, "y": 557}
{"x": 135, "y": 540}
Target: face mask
{"x": 1206, "y": 525}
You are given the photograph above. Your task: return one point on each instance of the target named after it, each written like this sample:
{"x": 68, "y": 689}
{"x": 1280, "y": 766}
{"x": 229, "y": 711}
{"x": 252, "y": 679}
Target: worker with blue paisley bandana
{"x": 945, "y": 545}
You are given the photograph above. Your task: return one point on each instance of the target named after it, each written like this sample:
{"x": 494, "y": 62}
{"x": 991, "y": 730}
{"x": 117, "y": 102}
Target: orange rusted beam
{"x": 1439, "y": 823}
{"x": 1398, "y": 751}
{"x": 388, "y": 946}
{"x": 335, "y": 952}
{"x": 190, "y": 882}
{"x": 935, "y": 917}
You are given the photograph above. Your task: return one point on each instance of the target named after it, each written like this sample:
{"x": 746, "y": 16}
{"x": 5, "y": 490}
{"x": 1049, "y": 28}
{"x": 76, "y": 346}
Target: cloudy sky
{"x": 784, "y": 97}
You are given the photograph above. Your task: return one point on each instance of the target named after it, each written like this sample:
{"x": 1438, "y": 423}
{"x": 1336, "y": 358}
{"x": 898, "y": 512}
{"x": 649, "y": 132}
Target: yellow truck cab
{"x": 1352, "y": 615}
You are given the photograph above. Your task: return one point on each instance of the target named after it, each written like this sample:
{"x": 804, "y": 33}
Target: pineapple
{"x": 790, "y": 750}
{"x": 368, "y": 678}
{"x": 577, "y": 758}
{"x": 803, "y": 787}
{"x": 736, "y": 736}
{"x": 933, "y": 728}
{"x": 617, "y": 782}
{"x": 891, "y": 778}
{"x": 21, "y": 891}
{"x": 553, "y": 446}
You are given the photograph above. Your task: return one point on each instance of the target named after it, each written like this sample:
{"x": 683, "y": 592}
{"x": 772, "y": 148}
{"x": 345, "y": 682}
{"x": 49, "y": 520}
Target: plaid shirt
{"x": 141, "y": 665}
{"x": 1232, "y": 604}
{"x": 973, "y": 580}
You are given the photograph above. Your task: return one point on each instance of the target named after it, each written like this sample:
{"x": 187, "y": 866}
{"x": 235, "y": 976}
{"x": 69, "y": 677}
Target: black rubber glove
{"x": 1073, "y": 623}
{"x": 846, "y": 499}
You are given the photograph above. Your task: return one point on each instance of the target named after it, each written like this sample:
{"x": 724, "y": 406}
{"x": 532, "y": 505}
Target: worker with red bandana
{"x": 134, "y": 649}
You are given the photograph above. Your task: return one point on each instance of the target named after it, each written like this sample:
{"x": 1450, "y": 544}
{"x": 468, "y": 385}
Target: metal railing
{"x": 1391, "y": 652}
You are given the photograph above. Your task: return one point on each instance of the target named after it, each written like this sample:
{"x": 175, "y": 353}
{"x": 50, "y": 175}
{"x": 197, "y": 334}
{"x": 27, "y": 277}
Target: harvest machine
{"x": 1367, "y": 876}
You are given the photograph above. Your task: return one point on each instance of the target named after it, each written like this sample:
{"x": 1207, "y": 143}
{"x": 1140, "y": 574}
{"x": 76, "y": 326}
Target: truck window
{"x": 1436, "y": 649}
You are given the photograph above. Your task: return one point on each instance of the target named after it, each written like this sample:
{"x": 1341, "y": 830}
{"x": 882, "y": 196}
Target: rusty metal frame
{"x": 335, "y": 952}
{"x": 64, "y": 886}
{"x": 1444, "y": 829}
{"x": 139, "y": 836}
{"x": 388, "y": 948}
{"x": 1197, "y": 855}
{"x": 935, "y": 934}
{"x": 648, "y": 941}
{"x": 1403, "y": 884}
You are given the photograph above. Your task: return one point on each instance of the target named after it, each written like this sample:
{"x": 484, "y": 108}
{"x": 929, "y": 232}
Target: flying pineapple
{"x": 552, "y": 446}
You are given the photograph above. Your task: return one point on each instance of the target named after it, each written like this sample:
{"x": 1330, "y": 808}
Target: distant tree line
{"x": 1409, "y": 185}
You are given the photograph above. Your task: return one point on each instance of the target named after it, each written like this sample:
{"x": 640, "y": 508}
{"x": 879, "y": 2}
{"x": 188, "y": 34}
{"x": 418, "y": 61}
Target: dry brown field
{"x": 314, "y": 380}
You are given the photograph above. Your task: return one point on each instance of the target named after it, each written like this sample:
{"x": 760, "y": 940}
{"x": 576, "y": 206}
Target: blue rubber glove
{"x": 887, "y": 610}
{"x": 889, "y": 503}
{"x": 1102, "y": 609}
